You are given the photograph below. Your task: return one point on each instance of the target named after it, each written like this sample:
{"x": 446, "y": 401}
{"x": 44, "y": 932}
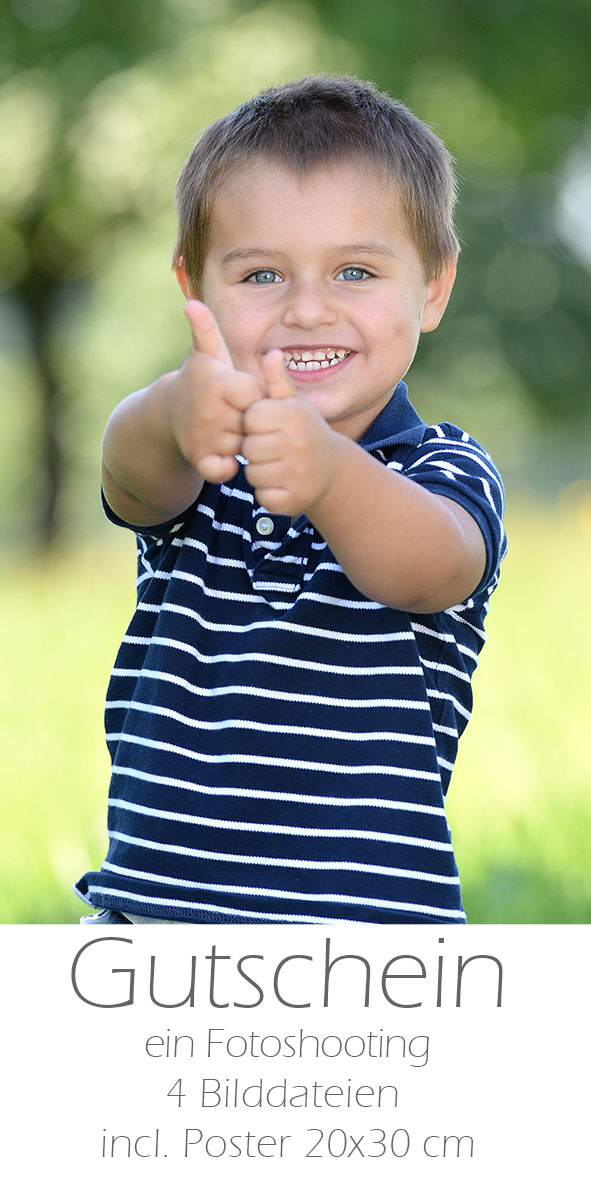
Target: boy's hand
{"x": 290, "y": 448}
{"x": 207, "y": 399}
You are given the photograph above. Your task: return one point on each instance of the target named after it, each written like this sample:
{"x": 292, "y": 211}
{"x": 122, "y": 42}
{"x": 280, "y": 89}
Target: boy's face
{"x": 324, "y": 269}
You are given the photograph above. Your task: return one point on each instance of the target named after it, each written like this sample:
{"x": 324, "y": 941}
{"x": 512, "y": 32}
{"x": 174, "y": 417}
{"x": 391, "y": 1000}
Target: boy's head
{"x": 306, "y": 126}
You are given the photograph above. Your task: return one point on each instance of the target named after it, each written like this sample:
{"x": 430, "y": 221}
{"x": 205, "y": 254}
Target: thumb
{"x": 207, "y": 338}
{"x": 277, "y": 383}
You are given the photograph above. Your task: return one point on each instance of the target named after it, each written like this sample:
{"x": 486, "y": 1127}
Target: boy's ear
{"x": 183, "y": 281}
{"x": 438, "y": 293}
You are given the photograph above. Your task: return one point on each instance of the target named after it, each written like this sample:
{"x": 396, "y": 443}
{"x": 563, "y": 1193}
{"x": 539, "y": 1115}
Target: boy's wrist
{"x": 341, "y": 455}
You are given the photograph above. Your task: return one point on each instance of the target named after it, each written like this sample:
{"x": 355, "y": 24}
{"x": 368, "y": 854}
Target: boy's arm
{"x": 400, "y": 544}
{"x": 145, "y": 478}
{"x": 162, "y": 442}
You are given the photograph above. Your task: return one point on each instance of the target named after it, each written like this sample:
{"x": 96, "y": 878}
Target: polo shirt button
{"x": 264, "y": 526}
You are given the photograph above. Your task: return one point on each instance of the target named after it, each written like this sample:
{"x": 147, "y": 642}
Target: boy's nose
{"x": 309, "y": 305}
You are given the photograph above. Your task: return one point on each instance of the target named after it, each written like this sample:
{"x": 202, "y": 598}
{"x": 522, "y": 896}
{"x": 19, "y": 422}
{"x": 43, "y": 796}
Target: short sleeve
{"x": 451, "y": 463}
{"x": 152, "y": 532}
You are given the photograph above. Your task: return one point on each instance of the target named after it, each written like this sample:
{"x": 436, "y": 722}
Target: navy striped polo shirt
{"x": 281, "y": 745}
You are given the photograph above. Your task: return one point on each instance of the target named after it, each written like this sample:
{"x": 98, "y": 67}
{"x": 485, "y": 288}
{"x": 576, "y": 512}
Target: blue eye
{"x": 263, "y": 276}
{"x": 353, "y": 274}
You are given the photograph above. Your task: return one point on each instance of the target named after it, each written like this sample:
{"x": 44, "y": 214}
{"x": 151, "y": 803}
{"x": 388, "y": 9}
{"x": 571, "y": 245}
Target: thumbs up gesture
{"x": 207, "y": 399}
{"x": 291, "y": 450}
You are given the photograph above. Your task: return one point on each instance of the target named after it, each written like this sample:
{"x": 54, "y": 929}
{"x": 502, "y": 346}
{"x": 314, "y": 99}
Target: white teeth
{"x": 311, "y": 360}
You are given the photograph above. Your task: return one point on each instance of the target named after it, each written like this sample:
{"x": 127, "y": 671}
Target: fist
{"x": 207, "y": 400}
{"x": 290, "y": 448}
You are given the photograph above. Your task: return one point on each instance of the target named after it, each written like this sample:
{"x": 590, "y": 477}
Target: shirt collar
{"x": 396, "y": 424}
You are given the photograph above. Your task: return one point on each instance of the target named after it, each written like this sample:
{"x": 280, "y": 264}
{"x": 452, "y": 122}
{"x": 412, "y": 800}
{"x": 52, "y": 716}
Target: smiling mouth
{"x": 308, "y": 362}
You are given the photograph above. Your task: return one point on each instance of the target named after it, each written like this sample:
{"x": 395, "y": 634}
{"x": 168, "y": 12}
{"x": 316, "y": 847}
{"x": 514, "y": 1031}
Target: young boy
{"x": 315, "y": 563}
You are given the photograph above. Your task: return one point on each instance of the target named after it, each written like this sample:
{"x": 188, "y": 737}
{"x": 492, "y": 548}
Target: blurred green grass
{"x": 519, "y": 801}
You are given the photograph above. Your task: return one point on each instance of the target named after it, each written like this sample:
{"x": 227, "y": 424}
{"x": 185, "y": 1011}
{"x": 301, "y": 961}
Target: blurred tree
{"x": 54, "y": 54}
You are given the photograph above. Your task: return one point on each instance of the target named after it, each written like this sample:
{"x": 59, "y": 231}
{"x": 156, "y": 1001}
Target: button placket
{"x": 271, "y": 568}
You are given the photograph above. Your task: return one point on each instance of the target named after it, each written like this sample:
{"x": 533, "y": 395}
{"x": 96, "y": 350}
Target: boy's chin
{"x": 323, "y": 403}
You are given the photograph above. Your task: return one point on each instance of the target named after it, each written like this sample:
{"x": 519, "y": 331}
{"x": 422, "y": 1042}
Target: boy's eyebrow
{"x": 250, "y": 252}
{"x": 352, "y": 249}
{"x": 367, "y": 247}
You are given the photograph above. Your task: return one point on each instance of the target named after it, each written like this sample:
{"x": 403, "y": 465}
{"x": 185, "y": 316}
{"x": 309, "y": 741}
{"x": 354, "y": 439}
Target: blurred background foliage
{"x": 100, "y": 101}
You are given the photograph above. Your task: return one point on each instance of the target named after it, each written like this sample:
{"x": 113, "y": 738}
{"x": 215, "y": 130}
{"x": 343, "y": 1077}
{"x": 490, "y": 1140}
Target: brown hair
{"x": 306, "y": 125}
